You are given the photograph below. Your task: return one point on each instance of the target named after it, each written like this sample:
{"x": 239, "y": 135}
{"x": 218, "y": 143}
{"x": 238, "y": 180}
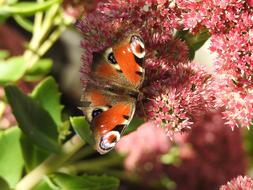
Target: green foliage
{"x": 134, "y": 124}
{"x": 47, "y": 95}
{"x": 24, "y": 22}
{"x": 12, "y": 69}
{"x": 3, "y": 184}
{"x": 39, "y": 70}
{"x": 248, "y": 144}
{"x": 82, "y": 128}
{"x": 4, "y": 54}
{"x": 10, "y": 2}
{"x": 43, "y": 185}
{"x": 25, "y": 8}
{"x": 35, "y": 122}
{"x": 32, "y": 154}
{"x": 194, "y": 41}
{"x": 11, "y": 160}
{"x": 86, "y": 182}
{"x": 171, "y": 157}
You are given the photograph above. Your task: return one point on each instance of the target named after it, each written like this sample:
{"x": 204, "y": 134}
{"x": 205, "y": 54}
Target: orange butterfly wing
{"x": 110, "y": 97}
{"x": 128, "y": 65}
{"x": 120, "y": 65}
{"x": 107, "y": 112}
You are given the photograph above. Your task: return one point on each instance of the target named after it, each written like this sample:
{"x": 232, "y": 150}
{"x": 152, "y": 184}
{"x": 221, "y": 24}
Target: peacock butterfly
{"x": 111, "y": 94}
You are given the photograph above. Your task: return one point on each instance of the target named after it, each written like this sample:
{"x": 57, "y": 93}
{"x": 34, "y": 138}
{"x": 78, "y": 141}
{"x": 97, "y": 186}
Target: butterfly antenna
{"x": 144, "y": 112}
{"x": 142, "y": 107}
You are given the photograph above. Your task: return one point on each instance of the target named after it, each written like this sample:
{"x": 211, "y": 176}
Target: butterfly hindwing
{"x": 108, "y": 114}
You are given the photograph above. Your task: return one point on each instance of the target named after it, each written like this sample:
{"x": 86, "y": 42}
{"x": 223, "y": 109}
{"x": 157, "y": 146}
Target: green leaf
{"x": 2, "y": 19}
{"x": 64, "y": 130}
{"x": 166, "y": 183}
{"x": 68, "y": 182}
{"x": 134, "y": 124}
{"x": 43, "y": 185}
{"x": 12, "y": 69}
{"x": 34, "y": 121}
{"x": 32, "y": 154}
{"x": 48, "y": 96}
{"x": 4, "y": 54}
{"x": 11, "y": 160}
{"x": 3, "y": 184}
{"x": 82, "y": 128}
{"x": 39, "y": 70}
{"x": 194, "y": 41}
{"x": 171, "y": 157}
{"x": 248, "y": 143}
{"x": 9, "y": 2}
{"x": 26, "y": 8}
{"x": 24, "y": 22}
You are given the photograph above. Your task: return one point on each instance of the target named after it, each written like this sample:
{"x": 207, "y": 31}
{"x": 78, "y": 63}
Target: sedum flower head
{"x": 230, "y": 23}
{"x": 239, "y": 183}
{"x": 176, "y": 102}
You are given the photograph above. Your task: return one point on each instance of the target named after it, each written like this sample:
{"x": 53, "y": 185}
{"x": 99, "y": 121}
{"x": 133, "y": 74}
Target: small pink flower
{"x": 6, "y": 117}
{"x": 239, "y": 183}
{"x": 250, "y": 2}
{"x": 74, "y": 8}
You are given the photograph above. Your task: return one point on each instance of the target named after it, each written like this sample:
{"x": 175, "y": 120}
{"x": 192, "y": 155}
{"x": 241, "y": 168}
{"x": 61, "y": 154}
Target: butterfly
{"x": 110, "y": 97}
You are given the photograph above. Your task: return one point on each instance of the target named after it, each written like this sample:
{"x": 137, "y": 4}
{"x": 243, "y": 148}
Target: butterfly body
{"x": 110, "y": 97}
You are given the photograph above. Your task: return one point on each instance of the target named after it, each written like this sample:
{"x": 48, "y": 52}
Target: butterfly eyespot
{"x": 96, "y": 112}
{"x": 109, "y": 140}
{"x": 137, "y": 46}
{"x": 112, "y": 139}
{"x": 111, "y": 58}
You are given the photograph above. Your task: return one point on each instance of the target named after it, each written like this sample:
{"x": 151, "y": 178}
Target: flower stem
{"x": 93, "y": 164}
{"x": 82, "y": 153}
{"x": 51, "y": 164}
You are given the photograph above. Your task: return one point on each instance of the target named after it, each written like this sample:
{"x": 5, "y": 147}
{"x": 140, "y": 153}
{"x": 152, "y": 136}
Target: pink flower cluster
{"x": 230, "y": 23}
{"x": 75, "y": 8}
{"x": 209, "y": 155}
{"x": 182, "y": 97}
{"x": 239, "y": 183}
